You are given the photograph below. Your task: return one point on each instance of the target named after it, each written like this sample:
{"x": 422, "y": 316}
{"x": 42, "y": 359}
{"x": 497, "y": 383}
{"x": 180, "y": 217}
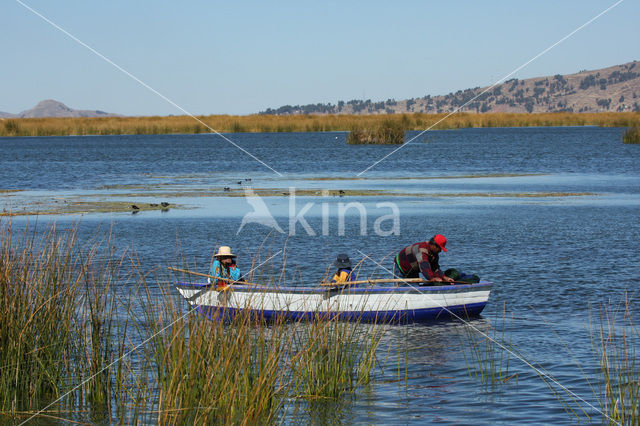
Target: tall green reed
{"x": 104, "y": 333}
{"x": 80, "y": 346}
{"x": 38, "y": 293}
{"x": 57, "y": 325}
{"x": 213, "y": 371}
{"x": 486, "y": 361}
{"x": 245, "y": 370}
{"x": 332, "y": 357}
{"x": 631, "y": 135}
{"x": 385, "y": 132}
{"x": 615, "y": 342}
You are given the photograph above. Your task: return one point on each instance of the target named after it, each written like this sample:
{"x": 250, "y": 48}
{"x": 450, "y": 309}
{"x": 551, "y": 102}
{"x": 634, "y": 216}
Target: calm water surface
{"x": 553, "y": 259}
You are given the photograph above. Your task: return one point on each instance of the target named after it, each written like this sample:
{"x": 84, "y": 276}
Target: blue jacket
{"x": 217, "y": 270}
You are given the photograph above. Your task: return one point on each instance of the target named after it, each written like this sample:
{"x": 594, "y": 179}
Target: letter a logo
{"x": 260, "y": 214}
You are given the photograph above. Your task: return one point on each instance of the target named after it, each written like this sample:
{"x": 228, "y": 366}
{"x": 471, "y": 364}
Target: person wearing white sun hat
{"x": 224, "y": 266}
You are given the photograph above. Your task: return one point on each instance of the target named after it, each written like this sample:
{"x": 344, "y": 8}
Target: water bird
{"x": 226, "y": 188}
{"x": 247, "y": 179}
{"x": 164, "y": 204}
{"x": 239, "y": 182}
{"x": 134, "y": 207}
{"x": 341, "y": 192}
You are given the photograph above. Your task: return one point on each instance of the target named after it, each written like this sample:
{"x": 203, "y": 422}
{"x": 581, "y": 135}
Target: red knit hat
{"x": 441, "y": 241}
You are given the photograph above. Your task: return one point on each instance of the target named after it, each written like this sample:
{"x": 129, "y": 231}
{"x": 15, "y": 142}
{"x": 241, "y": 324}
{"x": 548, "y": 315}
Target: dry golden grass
{"x": 299, "y": 123}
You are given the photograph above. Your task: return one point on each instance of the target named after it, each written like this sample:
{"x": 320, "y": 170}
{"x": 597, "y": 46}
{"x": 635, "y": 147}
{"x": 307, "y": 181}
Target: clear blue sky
{"x": 243, "y": 57}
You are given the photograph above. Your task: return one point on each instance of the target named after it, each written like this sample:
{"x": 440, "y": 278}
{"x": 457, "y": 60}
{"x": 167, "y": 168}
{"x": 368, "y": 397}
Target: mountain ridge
{"x": 53, "y": 108}
{"x": 615, "y": 88}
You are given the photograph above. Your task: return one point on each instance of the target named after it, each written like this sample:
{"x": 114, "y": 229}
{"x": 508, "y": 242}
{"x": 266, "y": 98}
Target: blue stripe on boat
{"x": 401, "y": 316}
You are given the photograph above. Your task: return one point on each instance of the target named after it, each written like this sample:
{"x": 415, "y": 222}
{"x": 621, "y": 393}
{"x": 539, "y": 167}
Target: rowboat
{"x": 366, "y": 303}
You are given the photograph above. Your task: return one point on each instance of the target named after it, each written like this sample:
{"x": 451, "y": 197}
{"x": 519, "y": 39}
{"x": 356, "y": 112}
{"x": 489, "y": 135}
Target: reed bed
{"x": 77, "y": 346}
{"x": 333, "y": 357}
{"x": 387, "y": 132}
{"x": 244, "y": 370}
{"x": 631, "y": 135}
{"x": 215, "y": 372}
{"x": 616, "y": 341}
{"x": 37, "y": 293}
{"x": 57, "y": 326}
{"x": 301, "y": 123}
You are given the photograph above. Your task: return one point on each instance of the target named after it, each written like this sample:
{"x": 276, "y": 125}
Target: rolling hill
{"x": 615, "y": 88}
{"x": 52, "y": 108}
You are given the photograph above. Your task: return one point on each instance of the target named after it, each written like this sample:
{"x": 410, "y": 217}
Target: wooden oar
{"x": 229, "y": 280}
{"x": 327, "y": 284}
{"x": 390, "y": 280}
{"x": 376, "y": 281}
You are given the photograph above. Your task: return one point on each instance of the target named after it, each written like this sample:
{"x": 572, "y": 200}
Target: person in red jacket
{"x": 422, "y": 258}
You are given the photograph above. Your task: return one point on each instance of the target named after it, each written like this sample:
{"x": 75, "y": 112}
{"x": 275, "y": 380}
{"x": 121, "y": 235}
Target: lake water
{"x": 551, "y": 216}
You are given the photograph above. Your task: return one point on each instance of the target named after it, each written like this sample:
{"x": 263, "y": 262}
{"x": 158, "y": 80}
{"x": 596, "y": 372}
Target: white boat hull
{"x": 362, "y": 303}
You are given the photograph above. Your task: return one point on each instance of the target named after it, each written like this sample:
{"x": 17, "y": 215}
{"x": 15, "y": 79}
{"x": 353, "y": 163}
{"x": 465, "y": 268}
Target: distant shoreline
{"x": 301, "y": 123}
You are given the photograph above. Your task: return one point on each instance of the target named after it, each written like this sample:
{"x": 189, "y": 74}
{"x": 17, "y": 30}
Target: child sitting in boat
{"x": 224, "y": 266}
{"x": 344, "y": 274}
